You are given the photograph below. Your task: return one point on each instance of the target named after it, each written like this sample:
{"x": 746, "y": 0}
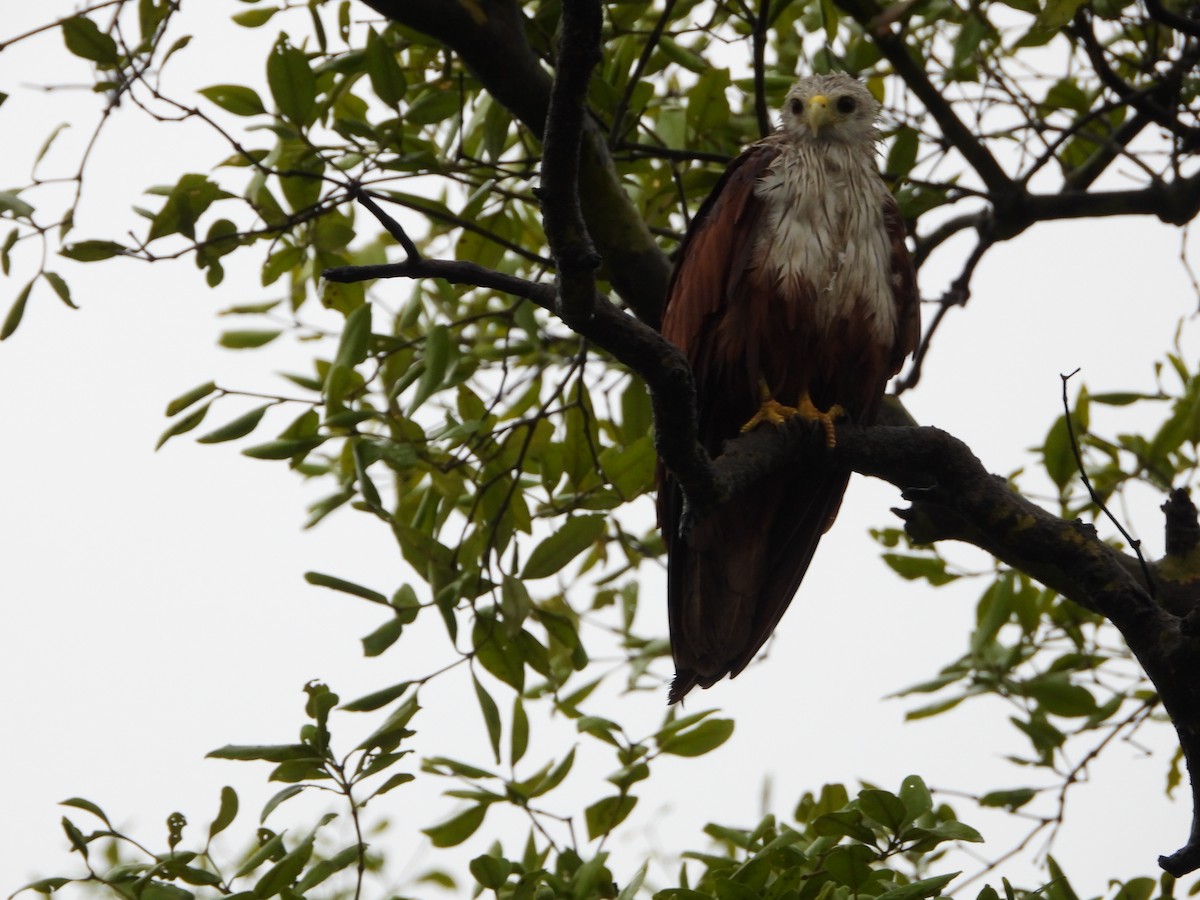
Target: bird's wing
{"x": 904, "y": 289}
{"x": 715, "y": 251}
{"x": 709, "y": 277}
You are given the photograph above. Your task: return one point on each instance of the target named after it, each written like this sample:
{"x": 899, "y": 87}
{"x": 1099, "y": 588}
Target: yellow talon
{"x": 776, "y": 413}
{"x": 809, "y": 410}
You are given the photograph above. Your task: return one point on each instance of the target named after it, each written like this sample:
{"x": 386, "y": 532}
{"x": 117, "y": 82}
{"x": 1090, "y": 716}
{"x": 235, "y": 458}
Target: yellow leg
{"x": 771, "y": 410}
{"x": 776, "y": 413}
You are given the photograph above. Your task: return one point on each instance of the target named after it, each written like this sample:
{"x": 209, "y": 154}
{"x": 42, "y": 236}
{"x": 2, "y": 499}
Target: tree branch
{"x": 490, "y": 38}
{"x": 954, "y": 498}
{"x": 566, "y": 233}
{"x": 1182, "y": 24}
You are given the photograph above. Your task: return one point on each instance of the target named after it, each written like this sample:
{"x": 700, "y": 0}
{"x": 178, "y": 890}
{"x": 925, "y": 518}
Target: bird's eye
{"x": 845, "y": 105}
{"x": 797, "y": 106}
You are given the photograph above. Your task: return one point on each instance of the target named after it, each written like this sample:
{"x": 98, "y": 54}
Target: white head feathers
{"x": 833, "y": 107}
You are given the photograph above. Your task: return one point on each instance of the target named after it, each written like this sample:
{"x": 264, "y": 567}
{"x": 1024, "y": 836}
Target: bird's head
{"x": 833, "y": 107}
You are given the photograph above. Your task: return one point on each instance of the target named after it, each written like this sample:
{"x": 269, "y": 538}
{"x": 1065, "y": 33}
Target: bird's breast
{"x": 823, "y": 248}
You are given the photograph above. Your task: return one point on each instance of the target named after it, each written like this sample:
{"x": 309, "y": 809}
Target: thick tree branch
{"x": 1182, "y": 24}
{"x": 490, "y": 38}
{"x": 954, "y": 498}
{"x": 578, "y": 53}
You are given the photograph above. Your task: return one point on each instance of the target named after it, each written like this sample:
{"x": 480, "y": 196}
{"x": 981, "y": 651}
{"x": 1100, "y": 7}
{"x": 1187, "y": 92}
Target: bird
{"x": 793, "y": 294}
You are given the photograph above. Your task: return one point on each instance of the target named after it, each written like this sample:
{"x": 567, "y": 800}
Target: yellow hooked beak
{"x": 816, "y": 113}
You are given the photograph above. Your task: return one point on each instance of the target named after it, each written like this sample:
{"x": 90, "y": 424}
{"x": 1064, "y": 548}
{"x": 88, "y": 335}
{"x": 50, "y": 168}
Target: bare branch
{"x": 578, "y": 53}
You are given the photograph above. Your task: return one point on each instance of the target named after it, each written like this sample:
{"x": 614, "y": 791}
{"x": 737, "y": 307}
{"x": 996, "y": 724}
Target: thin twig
{"x": 1134, "y": 544}
{"x": 394, "y": 228}
{"x": 618, "y": 122}
{"x": 760, "y": 80}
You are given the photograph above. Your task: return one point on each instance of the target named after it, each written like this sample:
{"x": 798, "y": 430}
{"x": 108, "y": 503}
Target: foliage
{"x": 512, "y": 461}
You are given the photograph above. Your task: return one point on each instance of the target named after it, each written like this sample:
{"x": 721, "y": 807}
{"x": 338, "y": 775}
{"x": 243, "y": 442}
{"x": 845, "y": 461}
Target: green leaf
{"x": 915, "y": 796}
{"x": 44, "y": 886}
{"x": 6, "y": 249}
{"x": 292, "y": 82}
{"x": 84, "y": 39}
{"x": 435, "y": 104}
{"x": 1136, "y": 889}
{"x": 248, "y": 339}
{"x": 377, "y": 699}
{"x": 682, "y": 56}
{"x": 183, "y": 401}
{"x": 1012, "y": 800}
{"x": 383, "y": 637}
{"x": 634, "y": 884}
{"x": 844, "y": 823}
{"x": 161, "y": 890}
{"x": 435, "y": 359}
{"x": 226, "y": 813}
{"x": 278, "y": 798}
{"x": 184, "y": 425}
{"x": 356, "y": 338}
{"x": 519, "y": 735}
{"x": 60, "y": 287}
{"x": 491, "y": 716}
{"x": 387, "y": 78}
{"x": 903, "y": 154}
{"x": 75, "y": 836}
{"x": 284, "y": 448}
{"x": 630, "y": 469}
{"x": 395, "y": 781}
{"x": 706, "y": 736}
{"x": 554, "y": 777}
{"x": 1058, "y": 13}
{"x": 186, "y": 202}
{"x": 253, "y": 18}
{"x": 491, "y": 871}
{"x": 346, "y": 587}
{"x": 270, "y": 848}
{"x": 457, "y": 829}
{"x": 235, "y": 98}
{"x": 282, "y": 260}
{"x": 925, "y": 887}
{"x": 707, "y": 106}
{"x": 394, "y": 729}
{"x": 10, "y": 202}
{"x": 92, "y": 251}
{"x": 1058, "y": 696}
{"x": 849, "y": 864}
{"x": 266, "y": 752}
{"x": 957, "y": 831}
{"x": 239, "y": 427}
{"x": 1058, "y": 455}
{"x": 579, "y": 533}
{"x": 883, "y": 807}
{"x": 15, "y": 313}
{"x": 285, "y": 872}
{"x": 931, "y": 568}
{"x": 89, "y": 806}
{"x": 495, "y": 654}
{"x": 605, "y": 815}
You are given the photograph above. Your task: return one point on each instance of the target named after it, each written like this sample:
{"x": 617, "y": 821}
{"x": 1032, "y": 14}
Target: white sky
{"x": 154, "y": 607}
